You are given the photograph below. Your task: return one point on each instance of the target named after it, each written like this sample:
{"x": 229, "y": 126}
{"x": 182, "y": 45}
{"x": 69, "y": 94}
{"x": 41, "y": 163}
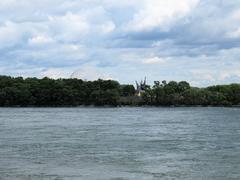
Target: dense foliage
{"x": 182, "y": 93}
{"x": 75, "y": 92}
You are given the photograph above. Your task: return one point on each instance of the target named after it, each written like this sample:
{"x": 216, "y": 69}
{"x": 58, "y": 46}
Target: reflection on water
{"x": 119, "y": 143}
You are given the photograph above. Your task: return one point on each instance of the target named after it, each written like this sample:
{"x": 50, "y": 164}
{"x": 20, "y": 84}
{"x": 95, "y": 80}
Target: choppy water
{"x": 119, "y": 143}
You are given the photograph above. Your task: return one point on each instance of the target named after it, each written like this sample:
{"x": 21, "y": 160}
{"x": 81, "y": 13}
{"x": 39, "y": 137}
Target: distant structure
{"x": 141, "y": 87}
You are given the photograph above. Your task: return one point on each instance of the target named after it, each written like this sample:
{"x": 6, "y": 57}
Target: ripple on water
{"x": 119, "y": 143}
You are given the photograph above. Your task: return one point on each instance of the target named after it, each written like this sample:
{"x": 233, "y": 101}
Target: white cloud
{"x": 7, "y": 3}
{"x": 234, "y": 34}
{"x": 204, "y": 74}
{"x": 40, "y": 40}
{"x": 55, "y": 73}
{"x": 122, "y": 3}
{"x": 160, "y": 14}
{"x": 154, "y": 60}
{"x": 9, "y": 34}
{"x": 224, "y": 75}
{"x": 90, "y": 73}
{"x": 108, "y": 27}
{"x": 122, "y": 39}
{"x": 70, "y": 27}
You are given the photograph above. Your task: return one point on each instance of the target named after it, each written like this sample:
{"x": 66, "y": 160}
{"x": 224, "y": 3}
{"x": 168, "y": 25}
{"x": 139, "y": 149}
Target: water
{"x": 119, "y": 143}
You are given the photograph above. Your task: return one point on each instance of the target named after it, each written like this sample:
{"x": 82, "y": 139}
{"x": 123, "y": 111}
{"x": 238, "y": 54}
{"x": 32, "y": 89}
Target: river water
{"x": 119, "y": 143}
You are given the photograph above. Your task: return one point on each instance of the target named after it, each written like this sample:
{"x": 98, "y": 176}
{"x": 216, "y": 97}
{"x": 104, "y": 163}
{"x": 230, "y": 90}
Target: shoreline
{"x": 125, "y": 106}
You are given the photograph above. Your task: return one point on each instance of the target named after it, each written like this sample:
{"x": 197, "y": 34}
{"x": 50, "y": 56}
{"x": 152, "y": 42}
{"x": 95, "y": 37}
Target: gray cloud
{"x": 195, "y": 40}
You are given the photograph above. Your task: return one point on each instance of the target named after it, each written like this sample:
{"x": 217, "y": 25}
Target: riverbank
{"x": 46, "y": 92}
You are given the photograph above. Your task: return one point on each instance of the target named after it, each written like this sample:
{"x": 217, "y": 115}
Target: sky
{"x": 193, "y": 40}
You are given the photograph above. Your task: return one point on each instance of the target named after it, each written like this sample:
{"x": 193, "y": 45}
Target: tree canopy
{"x": 48, "y": 92}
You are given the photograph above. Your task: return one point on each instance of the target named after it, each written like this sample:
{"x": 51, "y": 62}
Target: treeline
{"x": 75, "y": 92}
{"x": 61, "y": 92}
{"x": 174, "y": 93}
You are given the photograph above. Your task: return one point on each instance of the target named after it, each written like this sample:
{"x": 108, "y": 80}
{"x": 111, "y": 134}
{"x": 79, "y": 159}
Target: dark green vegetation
{"x": 75, "y": 92}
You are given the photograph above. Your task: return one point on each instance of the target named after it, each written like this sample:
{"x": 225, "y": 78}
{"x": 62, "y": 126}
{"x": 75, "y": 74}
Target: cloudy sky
{"x": 193, "y": 40}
